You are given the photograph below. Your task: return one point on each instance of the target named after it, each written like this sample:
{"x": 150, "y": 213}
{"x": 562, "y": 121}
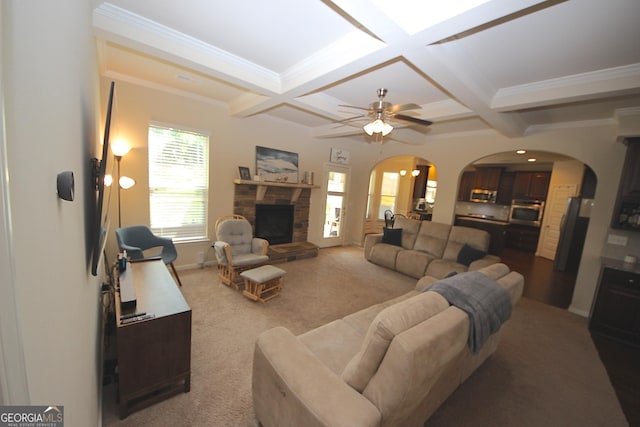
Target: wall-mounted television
{"x": 100, "y": 228}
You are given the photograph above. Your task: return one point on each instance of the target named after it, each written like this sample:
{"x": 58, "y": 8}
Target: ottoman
{"x": 262, "y": 283}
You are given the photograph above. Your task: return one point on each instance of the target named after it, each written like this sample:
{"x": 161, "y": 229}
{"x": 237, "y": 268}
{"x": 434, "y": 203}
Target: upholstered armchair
{"x": 236, "y": 249}
{"x": 137, "y": 240}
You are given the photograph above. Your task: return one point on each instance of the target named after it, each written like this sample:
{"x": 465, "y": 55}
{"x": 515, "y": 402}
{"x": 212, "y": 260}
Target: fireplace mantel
{"x": 262, "y": 187}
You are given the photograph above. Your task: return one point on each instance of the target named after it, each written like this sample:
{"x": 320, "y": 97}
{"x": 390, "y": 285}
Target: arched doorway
{"x": 561, "y": 187}
{"x": 405, "y": 185}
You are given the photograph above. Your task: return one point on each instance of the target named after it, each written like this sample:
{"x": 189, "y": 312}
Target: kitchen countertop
{"x": 618, "y": 264}
{"x": 483, "y": 218}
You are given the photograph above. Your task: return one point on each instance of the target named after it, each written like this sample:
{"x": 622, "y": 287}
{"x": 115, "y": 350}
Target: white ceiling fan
{"x": 381, "y": 112}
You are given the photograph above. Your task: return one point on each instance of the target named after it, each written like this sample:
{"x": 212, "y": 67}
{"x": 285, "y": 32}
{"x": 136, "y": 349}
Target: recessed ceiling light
{"x": 521, "y": 151}
{"x": 531, "y": 159}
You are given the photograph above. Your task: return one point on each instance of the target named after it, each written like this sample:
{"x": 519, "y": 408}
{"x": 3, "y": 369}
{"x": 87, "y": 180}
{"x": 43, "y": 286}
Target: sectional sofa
{"x": 391, "y": 364}
{"x": 418, "y": 248}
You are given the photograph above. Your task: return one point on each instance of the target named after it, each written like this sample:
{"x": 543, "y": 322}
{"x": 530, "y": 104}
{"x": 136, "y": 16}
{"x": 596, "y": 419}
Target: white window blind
{"x": 178, "y": 183}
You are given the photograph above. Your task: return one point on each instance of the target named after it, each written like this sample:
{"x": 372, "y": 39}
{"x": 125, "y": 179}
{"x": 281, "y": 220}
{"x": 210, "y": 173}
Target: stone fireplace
{"x": 248, "y": 195}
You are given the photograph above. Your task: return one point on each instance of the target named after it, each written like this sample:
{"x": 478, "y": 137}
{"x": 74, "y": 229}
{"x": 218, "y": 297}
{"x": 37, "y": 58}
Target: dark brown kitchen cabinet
{"x": 505, "y": 190}
{"x": 523, "y": 237}
{"x": 531, "y": 185}
{"x": 631, "y": 172}
{"x": 487, "y": 178}
{"x": 466, "y": 185}
{"x": 627, "y": 212}
{"x": 616, "y": 312}
{"x": 420, "y": 184}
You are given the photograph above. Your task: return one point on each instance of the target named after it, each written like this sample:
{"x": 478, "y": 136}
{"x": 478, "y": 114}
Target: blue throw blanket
{"x": 486, "y": 302}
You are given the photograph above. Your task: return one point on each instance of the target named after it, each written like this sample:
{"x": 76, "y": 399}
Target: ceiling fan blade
{"x": 412, "y": 119}
{"x": 404, "y": 107}
{"x": 351, "y": 118}
{"x": 353, "y": 106}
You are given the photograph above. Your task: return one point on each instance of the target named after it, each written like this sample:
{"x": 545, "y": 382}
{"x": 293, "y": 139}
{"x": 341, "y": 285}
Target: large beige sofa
{"x": 430, "y": 248}
{"x": 392, "y": 364}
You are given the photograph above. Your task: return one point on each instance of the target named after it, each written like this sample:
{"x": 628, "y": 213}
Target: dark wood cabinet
{"x": 626, "y": 215}
{"x": 154, "y": 354}
{"x": 522, "y": 237}
{"x": 505, "y": 190}
{"x": 531, "y": 185}
{"x": 420, "y": 183}
{"x": 616, "y": 311}
{"x": 630, "y": 184}
{"x": 466, "y": 185}
{"x": 487, "y": 178}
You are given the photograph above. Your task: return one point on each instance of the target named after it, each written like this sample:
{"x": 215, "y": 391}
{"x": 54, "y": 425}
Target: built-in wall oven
{"x": 526, "y": 212}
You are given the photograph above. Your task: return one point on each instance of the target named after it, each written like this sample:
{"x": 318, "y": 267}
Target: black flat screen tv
{"x": 101, "y": 223}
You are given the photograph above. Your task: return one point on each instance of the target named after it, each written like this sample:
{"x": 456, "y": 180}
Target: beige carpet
{"x": 546, "y": 371}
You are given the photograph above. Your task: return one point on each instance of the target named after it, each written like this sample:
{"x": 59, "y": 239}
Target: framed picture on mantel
{"x": 245, "y": 174}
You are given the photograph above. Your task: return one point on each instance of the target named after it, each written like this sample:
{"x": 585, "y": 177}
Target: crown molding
{"x": 115, "y": 24}
{"x": 593, "y": 84}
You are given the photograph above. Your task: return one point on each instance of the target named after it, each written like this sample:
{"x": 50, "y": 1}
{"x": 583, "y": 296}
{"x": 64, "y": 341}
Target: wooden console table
{"x": 154, "y": 354}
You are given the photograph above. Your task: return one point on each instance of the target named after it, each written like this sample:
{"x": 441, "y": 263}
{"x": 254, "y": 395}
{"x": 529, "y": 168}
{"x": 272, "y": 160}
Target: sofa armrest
{"x": 484, "y": 262}
{"x": 369, "y": 241}
{"x": 424, "y": 282}
{"x": 291, "y": 387}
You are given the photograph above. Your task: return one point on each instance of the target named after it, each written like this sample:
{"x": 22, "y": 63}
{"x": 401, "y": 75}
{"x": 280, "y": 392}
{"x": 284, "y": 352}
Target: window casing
{"x": 371, "y": 194}
{"x": 178, "y": 183}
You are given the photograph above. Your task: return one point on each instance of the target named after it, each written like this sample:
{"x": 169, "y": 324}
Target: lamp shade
{"x": 126, "y": 182}
{"x": 119, "y": 147}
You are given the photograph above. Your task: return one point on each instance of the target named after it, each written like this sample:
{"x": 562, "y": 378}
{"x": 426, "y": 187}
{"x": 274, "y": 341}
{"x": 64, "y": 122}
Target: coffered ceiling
{"x": 509, "y": 67}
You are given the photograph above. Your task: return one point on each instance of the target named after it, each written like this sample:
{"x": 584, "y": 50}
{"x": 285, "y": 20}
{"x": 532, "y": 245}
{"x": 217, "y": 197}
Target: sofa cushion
{"x": 392, "y": 236}
{"x": 432, "y": 238}
{"x": 469, "y": 254}
{"x": 410, "y": 229}
{"x": 459, "y": 236}
{"x": 413, "y": 263}
{"x": 385, "y": 326}
{"x": 385, "y": 255}
{"x": 334, "y": 343}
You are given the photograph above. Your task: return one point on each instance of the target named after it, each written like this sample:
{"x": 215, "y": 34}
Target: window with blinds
{"x": 178, "y": 183}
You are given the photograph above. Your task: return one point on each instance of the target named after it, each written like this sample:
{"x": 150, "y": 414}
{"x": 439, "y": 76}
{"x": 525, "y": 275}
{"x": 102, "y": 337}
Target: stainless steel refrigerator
{"x": 573, "y": 230}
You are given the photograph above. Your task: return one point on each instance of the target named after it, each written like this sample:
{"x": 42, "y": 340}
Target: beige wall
{"x": 233, "y": 141}
{"x": 50, "y": 92}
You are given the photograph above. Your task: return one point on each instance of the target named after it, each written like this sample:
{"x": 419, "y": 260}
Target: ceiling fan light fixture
{"x": 378, "y": 126}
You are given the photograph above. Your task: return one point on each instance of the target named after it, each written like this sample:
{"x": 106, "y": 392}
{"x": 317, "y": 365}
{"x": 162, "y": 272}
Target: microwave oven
{"x": 483, "y": 196}
{"x": 526, "y": 212}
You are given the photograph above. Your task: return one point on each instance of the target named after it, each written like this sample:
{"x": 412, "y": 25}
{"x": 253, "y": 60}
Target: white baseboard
{"x": 579, "y": 312}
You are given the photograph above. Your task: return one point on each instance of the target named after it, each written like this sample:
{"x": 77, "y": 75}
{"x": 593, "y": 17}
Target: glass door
{"x": 335, "y": 185}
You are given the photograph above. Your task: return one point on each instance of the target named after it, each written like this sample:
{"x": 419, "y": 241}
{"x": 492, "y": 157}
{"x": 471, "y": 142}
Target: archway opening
{"x": 538, "y": 216}
{"x": 404, "y": 185}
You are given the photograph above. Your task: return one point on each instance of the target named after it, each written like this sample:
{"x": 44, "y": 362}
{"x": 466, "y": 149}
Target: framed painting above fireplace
{"x": 276, "y": 165}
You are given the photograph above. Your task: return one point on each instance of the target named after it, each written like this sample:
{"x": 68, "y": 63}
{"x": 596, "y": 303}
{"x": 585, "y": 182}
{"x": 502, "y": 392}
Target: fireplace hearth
{"x": 274, "y": 223}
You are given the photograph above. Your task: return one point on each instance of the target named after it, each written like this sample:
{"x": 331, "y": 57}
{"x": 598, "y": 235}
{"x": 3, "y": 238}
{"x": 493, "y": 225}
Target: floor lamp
{"x": 120, "y": 148}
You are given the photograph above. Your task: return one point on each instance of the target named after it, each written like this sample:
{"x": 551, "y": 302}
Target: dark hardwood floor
{"x": 621, "y": 360}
